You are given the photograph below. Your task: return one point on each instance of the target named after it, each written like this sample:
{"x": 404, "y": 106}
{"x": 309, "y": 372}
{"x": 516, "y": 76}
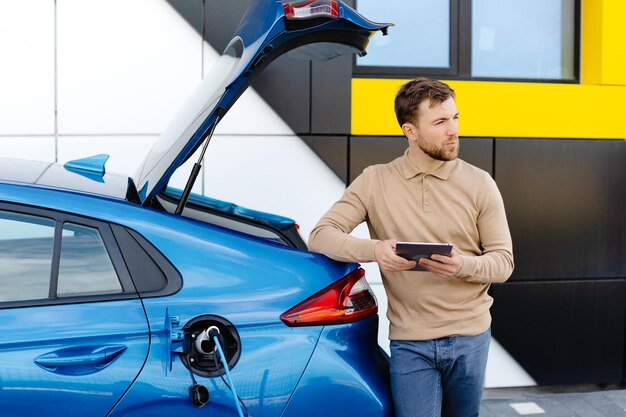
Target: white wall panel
{"x": 124, "y": 67}
{"x": 27, "y": 67}
{"x": 251, "y": 115}
{"x": 383, "y": 321}
{"x": 126, "y": 152}
{"x": 39, "y": 148}
{"x": 503, "y": 370}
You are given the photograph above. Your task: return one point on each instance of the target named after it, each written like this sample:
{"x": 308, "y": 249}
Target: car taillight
{"x": 309, "y": 9}
{"x": 345, "y": 301}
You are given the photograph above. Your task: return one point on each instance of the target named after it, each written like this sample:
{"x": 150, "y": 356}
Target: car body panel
{"x": 74, "y": 384}
{"x": 349, "y": 371}
{"x": 272, "y": 360}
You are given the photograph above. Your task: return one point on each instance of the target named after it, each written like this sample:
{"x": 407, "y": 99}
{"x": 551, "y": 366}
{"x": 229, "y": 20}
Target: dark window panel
{"x": 563, "y": 332}
{"x": 478, "y": 152}
{"x": 565, "y": 202}
{"x": 372, "y": 150}
{"x": 331, "y": 100}
{"x": 285, "y": 86}
{"x": 333, "y": 150}
{"x": 221, "y": 19}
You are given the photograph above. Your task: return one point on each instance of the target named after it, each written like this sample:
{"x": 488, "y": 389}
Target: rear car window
{"x": 26, "y": 247}
{"x": 85, "y": 266}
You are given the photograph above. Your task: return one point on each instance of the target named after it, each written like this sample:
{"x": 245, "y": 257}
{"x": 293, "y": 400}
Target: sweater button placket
{"x": 426, "y": 195}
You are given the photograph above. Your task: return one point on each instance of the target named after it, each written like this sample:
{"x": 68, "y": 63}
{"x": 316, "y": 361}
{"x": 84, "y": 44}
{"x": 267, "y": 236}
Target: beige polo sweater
{"x": 420, "y": 199}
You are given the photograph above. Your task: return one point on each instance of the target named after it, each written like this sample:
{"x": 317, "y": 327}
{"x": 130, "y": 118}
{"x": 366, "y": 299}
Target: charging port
{"x": 202, "y": 356}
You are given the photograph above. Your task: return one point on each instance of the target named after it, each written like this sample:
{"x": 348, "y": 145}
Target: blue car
{"x": 124, "y": 297}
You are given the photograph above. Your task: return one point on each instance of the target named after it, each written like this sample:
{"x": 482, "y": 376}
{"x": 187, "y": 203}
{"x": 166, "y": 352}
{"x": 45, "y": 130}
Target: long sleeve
{"x": 331, "y": 234}
{"x": 495, "y": 264}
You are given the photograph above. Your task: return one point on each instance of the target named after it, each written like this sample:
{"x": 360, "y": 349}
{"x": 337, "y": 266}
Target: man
{"x": 439, "y": 319}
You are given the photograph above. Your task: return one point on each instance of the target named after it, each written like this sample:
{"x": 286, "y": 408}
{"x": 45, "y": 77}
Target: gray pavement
{"x": 584, "y": 401}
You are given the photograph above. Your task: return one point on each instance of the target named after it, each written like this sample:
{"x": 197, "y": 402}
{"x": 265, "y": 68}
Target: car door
{"x": 73, "y": 334}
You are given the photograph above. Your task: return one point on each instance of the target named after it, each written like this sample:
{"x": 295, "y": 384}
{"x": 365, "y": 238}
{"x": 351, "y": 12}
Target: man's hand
{"x": 385, "y": 252}
{"x": 443, "y": 266}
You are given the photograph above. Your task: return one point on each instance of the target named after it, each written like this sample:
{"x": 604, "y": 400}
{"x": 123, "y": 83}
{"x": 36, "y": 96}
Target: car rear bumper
{"x": 348, "y": 374}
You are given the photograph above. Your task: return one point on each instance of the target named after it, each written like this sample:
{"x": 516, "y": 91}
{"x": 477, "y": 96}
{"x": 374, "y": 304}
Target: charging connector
{"x": 205, "y": 342}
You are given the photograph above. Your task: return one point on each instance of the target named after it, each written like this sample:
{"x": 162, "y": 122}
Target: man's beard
{"x": 439, "y": 153}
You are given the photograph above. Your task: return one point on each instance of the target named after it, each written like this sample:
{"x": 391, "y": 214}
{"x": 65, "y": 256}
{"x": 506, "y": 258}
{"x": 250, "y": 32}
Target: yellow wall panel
{"x": 372, "y": 107}
{"x": 603, "y": 32}
{"x": 591, "y": 42}
{"x": 614, "y": 42}
{"x": 504, "y": 109}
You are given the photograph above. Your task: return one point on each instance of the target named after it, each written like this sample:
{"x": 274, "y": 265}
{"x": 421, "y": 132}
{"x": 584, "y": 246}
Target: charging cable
{"x": 227, "y": 371}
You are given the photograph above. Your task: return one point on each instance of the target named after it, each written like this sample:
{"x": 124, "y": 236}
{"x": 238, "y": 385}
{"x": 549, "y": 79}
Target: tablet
{"x": 414, "y": 251}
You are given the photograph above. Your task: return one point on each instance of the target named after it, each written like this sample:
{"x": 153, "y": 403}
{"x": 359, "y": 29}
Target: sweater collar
{"x": 422, "y": 163}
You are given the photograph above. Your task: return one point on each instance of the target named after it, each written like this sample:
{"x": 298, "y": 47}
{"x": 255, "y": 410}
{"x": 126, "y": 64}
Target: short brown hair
{"x": 415, "y": 92}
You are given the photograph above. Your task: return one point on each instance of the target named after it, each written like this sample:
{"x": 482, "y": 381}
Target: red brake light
{"x": 309, "y": 9}
{"x": 345, "y": 301}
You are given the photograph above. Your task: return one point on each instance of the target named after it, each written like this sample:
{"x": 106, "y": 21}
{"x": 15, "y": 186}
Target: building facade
{"x": 540, "y": 88}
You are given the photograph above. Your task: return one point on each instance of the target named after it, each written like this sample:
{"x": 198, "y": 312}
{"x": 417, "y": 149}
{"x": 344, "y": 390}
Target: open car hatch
{"x": 312, "y": 29}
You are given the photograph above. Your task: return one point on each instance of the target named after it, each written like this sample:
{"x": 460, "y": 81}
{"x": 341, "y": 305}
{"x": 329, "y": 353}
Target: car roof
{"x": 54, "y": 175}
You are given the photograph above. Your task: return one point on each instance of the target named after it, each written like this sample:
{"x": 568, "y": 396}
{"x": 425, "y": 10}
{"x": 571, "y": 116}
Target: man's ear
{"x": 409, "y": 130}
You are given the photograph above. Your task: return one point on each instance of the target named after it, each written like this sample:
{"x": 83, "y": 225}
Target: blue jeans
{"x": 442, "y": 377}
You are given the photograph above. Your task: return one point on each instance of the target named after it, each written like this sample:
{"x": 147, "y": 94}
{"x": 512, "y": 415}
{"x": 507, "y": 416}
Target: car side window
{"x": 85, "y": 267}
{"x": 26, "y": 248}
{"x": 48, "y": 258}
